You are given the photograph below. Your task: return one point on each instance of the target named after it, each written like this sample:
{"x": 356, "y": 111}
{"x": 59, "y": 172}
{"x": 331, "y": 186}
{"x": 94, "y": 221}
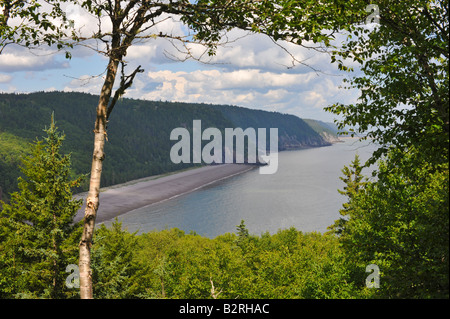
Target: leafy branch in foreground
{"x": 31, "y": 23}
{"x": 403, "y": 100}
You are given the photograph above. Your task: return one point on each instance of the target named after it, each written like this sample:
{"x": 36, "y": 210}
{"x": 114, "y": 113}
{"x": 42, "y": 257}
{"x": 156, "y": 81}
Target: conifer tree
{"x": 354, "y": 182}
{"x": 37, "y": 224}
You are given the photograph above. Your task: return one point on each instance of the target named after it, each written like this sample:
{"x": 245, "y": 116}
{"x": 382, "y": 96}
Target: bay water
{"x": 301, "y": 194}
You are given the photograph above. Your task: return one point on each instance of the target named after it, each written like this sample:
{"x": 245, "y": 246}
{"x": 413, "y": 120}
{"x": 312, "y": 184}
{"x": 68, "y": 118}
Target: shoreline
{"x": 119, "y": 199}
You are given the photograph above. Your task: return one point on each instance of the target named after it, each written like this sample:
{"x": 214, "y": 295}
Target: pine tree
{"x": 242, "y": 236}
{"x": 37, "y": 224}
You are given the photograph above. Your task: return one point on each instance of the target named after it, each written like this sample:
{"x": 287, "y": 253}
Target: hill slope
{"x": 138, "y": 133}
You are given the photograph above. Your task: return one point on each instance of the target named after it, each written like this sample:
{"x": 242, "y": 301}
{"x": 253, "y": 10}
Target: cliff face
{"x": 328, "y": 131}
{"x": 330, "y": 138}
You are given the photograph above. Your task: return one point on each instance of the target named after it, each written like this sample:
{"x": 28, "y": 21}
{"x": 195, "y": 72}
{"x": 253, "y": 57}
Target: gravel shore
{"x": 120, "y": 199}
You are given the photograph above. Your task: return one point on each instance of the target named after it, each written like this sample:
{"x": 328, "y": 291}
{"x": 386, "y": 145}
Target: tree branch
{"x": 125, "y": 82}
{"x": 214, "y": 293}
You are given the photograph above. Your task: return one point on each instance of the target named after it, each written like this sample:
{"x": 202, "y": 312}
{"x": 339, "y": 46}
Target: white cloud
{"x": 314, "y": 99}
{"x": 17, "y": 59}
{"x": 304, "y": 95}
{"x": 250, "y": 88}
{"x": 141, "y": 51}
{"x": 257, "y": 51}
{"x": 251, "y": 71}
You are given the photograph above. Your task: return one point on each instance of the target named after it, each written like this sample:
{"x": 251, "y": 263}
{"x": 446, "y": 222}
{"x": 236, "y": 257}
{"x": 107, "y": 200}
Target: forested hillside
{"x": 138, "y": 132}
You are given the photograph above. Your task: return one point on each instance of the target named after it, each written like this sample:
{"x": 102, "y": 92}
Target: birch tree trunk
{"x": 116, "y": 52}
{"x": 92, "y": 200}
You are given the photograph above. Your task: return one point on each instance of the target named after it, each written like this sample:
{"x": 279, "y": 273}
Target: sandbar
{"x": 120, "y": 199}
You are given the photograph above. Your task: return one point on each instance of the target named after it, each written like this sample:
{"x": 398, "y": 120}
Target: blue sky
{"x": 251, "y": 72}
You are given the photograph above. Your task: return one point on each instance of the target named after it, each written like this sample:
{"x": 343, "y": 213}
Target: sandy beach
{"x": 121, "y": 199}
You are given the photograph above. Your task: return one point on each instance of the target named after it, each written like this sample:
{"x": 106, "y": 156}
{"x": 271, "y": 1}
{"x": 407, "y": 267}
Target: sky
{"x": 250, "y": 71}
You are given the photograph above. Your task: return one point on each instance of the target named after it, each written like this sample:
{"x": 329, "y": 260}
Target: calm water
{"x": 303, "y": 194}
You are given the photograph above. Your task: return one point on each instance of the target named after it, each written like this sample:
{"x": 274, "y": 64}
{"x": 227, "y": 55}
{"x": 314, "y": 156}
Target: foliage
{"x": 36, "y": 230}
{"x": 403, "y": 78}
{"x": 30, "y": 23}
{"x": 205, "y": 21}
{"x": 111, "y": 263}
{"x": 303, "y": 22}
{"x": 400, "y": 223}
{"x": 172, "y": 264}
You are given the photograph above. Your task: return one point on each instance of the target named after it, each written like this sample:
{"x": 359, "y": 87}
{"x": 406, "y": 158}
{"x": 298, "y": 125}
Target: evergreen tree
{"x": 242, "y": 234}
{"x": 37, "y": 226}
{"x": 112, "y": 262}
{"x": 354, "y": 182}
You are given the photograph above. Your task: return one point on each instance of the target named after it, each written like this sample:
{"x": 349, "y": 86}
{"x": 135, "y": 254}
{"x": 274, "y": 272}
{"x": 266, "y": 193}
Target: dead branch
{"x": 125, "y": 82}
{"x": 214, "y": 294}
